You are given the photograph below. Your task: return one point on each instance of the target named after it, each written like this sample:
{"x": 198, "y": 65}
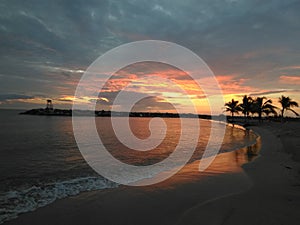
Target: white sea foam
{"x": 15, "y": 202}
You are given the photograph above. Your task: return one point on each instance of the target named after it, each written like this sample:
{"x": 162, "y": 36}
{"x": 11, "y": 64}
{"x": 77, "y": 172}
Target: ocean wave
{"x": 14, "y": 203}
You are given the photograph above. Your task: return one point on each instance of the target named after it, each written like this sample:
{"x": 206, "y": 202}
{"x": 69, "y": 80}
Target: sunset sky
{"x": 251, "y": 46}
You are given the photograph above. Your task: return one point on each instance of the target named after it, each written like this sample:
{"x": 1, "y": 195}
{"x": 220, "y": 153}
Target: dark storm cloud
{"x": 53, "y": 29}
{"x": 83, "y": 29}
{"x": 45, "y": 45}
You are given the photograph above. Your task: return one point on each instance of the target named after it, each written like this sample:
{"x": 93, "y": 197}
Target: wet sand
{"x": 275, "y": 195}
{"x": 264, "y": 191}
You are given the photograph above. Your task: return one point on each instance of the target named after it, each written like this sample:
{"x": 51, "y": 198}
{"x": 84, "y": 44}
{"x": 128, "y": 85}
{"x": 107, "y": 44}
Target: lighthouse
{"x": 49, "y": 106}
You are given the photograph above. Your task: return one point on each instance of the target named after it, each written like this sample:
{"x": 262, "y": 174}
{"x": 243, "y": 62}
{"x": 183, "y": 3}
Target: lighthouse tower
{"x": 49, "y": 106}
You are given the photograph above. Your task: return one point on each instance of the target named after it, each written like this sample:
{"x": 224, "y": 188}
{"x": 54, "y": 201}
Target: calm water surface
{"x": 40, "y": 161}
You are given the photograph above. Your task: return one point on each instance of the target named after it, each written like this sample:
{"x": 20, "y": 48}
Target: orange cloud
{"x": 66, "y": 99}
{"x": 230, "y": 84}
{"x": 295, "y": 67}
{"x": 290, "y": 79}
{"x": 142, "y": 78}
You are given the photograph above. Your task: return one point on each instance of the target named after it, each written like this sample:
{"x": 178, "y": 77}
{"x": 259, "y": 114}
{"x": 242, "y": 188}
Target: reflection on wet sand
{"x": 249, "y": 153}
{"x": 224, "y": 163}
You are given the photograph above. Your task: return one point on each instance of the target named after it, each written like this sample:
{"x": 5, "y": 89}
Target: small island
{"x": 48, "y": 111}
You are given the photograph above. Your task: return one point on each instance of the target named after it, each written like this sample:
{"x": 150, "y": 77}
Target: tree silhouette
{"x": 245, "y": 107}
{"x": 232, "y": 107}
{"x": 260, "y": 107}
{"x": 287, "y": 104}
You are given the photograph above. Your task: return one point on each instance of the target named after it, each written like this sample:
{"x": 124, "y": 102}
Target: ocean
{"x": 40, "y": 161}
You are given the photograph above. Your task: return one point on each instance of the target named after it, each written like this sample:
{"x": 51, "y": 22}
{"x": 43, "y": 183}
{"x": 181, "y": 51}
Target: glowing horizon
{"x": 140, "y": 81}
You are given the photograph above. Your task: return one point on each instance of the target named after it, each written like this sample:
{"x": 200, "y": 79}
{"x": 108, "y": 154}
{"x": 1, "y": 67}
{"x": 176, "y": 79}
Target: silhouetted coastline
{"x": 103, "y": 113}
{"x": 240, "y": 120}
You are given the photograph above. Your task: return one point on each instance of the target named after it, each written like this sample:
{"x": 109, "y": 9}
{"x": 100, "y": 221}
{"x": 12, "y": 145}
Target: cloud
{"x": 9, "y": 97}
{"x": 153, "y": 104}
{"x": 267, "y": 92}
{"x": 293, "y": 67}
{"x": 232, "y": 84}
{"x": 250, "y": 45}
{"x": 295, "y": 80}
{"x": 65, "y": 99}
{"x": 103, "y": 99}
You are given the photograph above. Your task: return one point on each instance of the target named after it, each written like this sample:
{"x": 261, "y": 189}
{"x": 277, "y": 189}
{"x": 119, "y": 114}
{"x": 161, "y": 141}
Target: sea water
{"x": 40, "y": 161}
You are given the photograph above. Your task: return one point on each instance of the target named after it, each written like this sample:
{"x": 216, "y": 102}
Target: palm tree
{"x": 232, "y": 107}
{"x": 260, "y": 107}
{"x": 245, "y": 107}
{"x": 287, "y": 104}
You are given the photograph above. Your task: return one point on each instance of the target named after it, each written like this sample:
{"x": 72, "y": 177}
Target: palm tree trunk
{"x": 282, "y": 112}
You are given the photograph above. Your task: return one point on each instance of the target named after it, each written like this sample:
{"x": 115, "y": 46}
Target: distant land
{"x": 103, "y": 113}
{"x": 50, "y": 111}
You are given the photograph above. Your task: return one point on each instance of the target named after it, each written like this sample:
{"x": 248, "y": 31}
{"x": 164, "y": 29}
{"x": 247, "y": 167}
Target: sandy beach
{"x": 231, "y": 191}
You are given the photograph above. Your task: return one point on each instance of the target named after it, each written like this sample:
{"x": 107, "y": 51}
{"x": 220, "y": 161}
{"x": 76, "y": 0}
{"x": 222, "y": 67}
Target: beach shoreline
{"x": 264, "y": 191}
{"x": 275, "y": 195}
